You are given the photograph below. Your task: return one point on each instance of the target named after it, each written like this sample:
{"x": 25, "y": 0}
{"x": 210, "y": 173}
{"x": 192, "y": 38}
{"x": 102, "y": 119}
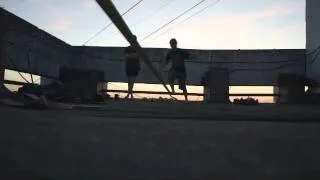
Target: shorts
{"x": 180, "y": 75}
{"x": 131, "y": 72}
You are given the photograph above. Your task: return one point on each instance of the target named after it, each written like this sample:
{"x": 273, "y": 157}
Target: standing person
{"x": 132, "y": 67}
{"x": 177, "y": 57}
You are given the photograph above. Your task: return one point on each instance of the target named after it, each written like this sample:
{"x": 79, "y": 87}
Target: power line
{"x": 192, "y": 15}
{"x": 153, "y": 13}
{"x": 147, "y": 16}
{"x": 103, "y": 29}
{"x": 177, "y": 17}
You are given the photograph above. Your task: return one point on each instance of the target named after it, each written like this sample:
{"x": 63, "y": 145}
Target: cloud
{"x": 61, "y": 21}
{"x": 75, "y": 23}
{"x": 62, "y": 26}
{"x": 67, "y": 19}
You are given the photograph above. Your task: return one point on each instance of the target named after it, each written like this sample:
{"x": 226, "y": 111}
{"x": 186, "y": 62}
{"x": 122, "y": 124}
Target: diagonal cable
{"x": 153, "y": 13}
{"x": 196, "y": 13}
{"x": 103, "y": 29}
{"x": 166, "y": 24}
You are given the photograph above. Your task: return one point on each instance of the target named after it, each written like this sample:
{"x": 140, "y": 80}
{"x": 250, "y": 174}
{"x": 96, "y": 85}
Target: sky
{"x": 227, "y": 24}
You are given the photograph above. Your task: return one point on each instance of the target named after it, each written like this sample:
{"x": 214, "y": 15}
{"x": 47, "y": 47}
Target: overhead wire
{"x": 103, "y": 29}
{"x": 153, "y": 13}
{"x": 148, "y": 15}
{"x": 186, "y": 19}
{"x": 177, "y": 17}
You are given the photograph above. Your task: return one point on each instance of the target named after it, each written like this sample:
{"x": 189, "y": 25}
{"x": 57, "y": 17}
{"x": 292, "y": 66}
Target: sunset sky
{"x": 227, "y": 24}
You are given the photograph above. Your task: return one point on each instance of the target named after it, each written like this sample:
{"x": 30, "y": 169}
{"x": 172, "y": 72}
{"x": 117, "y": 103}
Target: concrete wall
{"x": 1, "y": 49}
{"x": 247, "y": 67}
{"x": 313, "y": 38}
{"x": 30, "y": 49}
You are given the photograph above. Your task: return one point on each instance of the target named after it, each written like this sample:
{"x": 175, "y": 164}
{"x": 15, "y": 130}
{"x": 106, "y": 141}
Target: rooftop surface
{"x": 148, "y": 140}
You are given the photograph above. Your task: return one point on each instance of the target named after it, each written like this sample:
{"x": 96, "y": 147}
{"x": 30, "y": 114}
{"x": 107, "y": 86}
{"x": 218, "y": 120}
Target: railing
{"x": 189, "y": 94}
{"x": 158, "y": 92}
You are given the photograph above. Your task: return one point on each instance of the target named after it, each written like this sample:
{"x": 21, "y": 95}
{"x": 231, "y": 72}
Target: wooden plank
{"x": 118, "y": 21}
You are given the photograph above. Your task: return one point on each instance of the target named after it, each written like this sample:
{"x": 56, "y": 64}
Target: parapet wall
{"x": 30, "y": 49}
{"x": 313, "y": 39}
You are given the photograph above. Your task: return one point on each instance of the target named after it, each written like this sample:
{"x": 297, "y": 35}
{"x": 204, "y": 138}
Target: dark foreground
{"x": 161, "y": 140}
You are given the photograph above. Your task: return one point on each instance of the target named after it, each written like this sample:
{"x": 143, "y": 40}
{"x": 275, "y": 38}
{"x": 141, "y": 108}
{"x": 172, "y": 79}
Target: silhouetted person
{"x": 178, "y": 70}
{"x": 132, "y": 67}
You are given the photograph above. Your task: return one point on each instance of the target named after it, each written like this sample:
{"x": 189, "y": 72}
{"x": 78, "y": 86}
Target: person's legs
{"x": 128, "y": 87}
{"x": 128, "y": 81}
{"x": 171, "y": 77}
{"x": 131, "y": 80}
{"x": 131, "y": 74}
{"x": 131, "y": 84}
{"x": 185, "y": 92}
{"x": 182, "y": 84}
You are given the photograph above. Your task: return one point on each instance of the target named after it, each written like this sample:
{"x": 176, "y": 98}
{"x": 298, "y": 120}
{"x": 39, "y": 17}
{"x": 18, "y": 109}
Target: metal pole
{"x": 117, "y": 20}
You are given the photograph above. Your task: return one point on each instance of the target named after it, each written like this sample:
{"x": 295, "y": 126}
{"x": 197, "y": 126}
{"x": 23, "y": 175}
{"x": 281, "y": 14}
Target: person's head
{"x": 173, "y": 43}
